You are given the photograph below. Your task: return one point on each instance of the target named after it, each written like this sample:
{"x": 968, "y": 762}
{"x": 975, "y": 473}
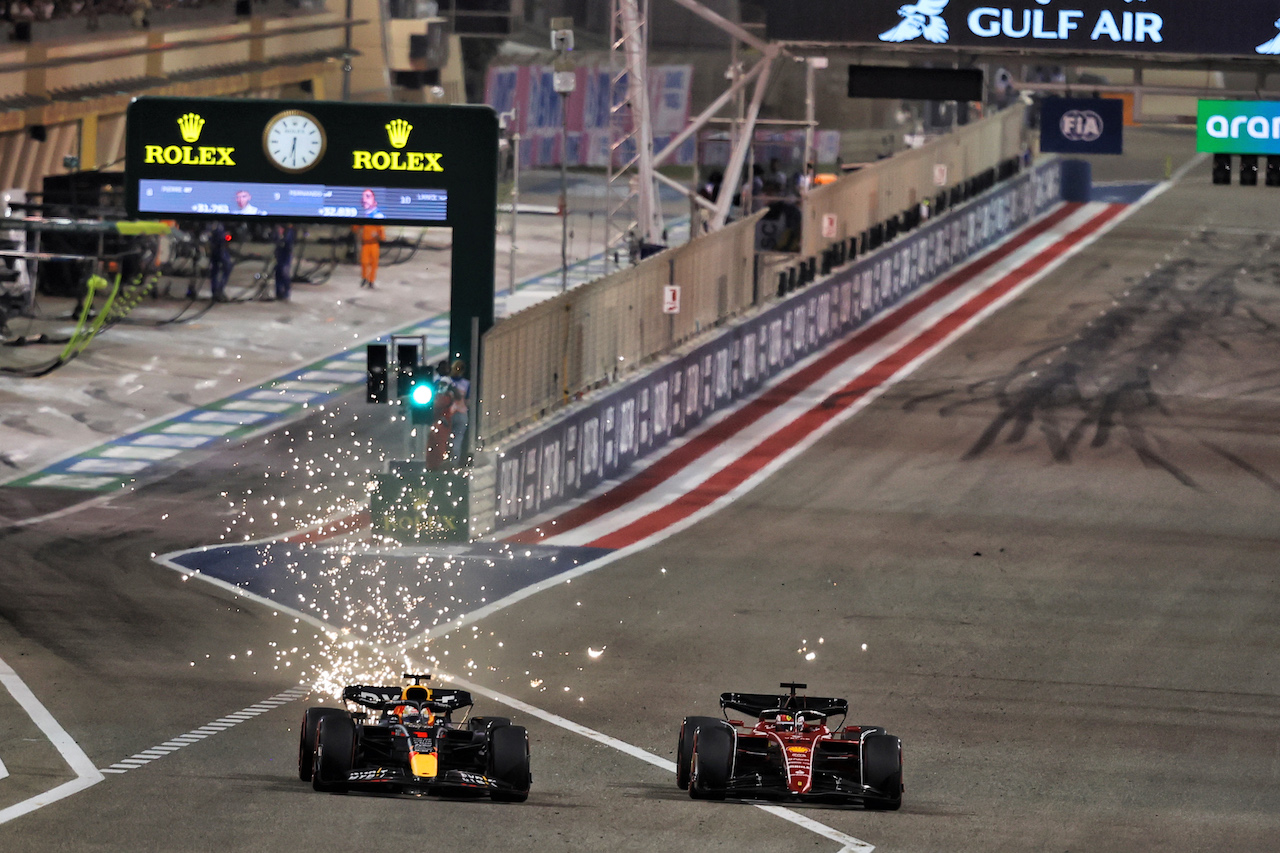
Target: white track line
{"x": 86, "y": 774}
{"x": 146, "y": 756}
{"x": 851, "y": 844}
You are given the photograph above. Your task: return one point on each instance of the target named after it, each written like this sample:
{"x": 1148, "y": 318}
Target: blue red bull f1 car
{"x": 406, "y": 741}
{"x": 790, "y": 752}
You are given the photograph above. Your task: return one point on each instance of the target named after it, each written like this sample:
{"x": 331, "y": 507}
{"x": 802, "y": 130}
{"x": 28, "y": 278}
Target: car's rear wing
{"x": 389, "y": 698}
{"x": 755, "y": 704}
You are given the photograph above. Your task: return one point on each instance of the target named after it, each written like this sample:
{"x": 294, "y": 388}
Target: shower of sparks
{"x": 807, "y": 653}
{"x": 381, "y": 599}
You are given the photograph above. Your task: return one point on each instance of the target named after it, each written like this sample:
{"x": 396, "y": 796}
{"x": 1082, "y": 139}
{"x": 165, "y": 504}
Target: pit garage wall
{"x": 600, "y": 440}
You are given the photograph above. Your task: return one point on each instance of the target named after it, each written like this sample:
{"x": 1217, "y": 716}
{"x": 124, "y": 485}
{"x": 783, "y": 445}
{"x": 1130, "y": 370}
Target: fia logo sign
{"x": 1081, "y": 125}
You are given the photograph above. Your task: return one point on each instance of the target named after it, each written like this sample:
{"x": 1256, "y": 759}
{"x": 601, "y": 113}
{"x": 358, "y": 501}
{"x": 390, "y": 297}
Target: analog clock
{"x": 293, "y": 141}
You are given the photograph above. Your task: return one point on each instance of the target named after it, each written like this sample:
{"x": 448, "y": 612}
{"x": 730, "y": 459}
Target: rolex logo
{"x": 190, "y": 125}
{"x": 398, "y": 132}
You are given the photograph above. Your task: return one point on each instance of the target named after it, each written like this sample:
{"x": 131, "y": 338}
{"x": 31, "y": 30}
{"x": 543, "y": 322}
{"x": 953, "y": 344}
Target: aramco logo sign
{"x": 1238, "y": 127}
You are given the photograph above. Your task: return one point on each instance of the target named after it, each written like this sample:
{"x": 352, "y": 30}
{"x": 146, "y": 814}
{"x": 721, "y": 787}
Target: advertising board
{"x": 1239, "y": 28}
{"x": 1238, "y": 127}
{"x": 220, "y": 159}
{"x": 305, "y": 161}
{"x": 1082, "y": 126}
{"x": 601, "y": 440}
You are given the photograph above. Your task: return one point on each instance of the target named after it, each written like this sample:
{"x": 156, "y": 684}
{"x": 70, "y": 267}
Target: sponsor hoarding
{"x": 306, "y": 161}
{"x": 587, "y": 118}
{"x": 223, "y": 159}
{"x": 599, "y": 441}
{"x": 1238, "y": 28}
{"x": 1238, "y": 127}
{"x": 1082, "y": 125}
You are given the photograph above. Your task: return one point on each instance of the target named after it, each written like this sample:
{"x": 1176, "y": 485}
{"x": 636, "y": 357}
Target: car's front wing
{"x": 400, "y": 778}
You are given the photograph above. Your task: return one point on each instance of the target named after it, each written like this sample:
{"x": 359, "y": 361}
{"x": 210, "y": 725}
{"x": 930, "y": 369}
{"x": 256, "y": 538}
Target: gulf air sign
{"x": 1195, "y": 27}
{"x": 1238, "y": 127}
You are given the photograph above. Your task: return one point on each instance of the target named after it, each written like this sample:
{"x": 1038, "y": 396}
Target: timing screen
{"x": 284, "y": 201}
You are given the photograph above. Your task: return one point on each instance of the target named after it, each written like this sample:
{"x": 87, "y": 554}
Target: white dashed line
{"x": 196, "y": 735}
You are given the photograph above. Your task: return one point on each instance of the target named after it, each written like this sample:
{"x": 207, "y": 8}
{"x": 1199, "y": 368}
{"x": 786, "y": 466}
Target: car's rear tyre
{"x": 307, "y": 738}
{"x": 684, "y": 747}
{"x": 509, "y": 763}
{"x": 335, "y": 754}
{"x": 882, "y": 770}
{"x": 712, "y": 762}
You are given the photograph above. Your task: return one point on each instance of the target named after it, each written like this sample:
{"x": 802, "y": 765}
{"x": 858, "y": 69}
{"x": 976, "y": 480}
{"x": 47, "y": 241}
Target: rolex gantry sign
{"x": 327, "y": 162}
{"x": 307, "y": 161}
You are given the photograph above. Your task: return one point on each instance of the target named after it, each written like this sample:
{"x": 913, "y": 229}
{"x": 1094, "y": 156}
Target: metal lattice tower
{"x": 634, "y": 213}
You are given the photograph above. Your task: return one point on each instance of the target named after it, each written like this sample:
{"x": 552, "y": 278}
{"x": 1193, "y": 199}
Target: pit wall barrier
{"x": 542, "y": 358}
{"x": 900, "y": 183}
{"x": 600, "y": 439}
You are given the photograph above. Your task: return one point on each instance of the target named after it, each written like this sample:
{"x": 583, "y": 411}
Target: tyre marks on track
{"x": 139, "y": 759}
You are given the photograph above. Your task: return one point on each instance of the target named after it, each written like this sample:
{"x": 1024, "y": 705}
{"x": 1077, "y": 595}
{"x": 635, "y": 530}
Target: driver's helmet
{"x": 785, "y": 722}
{"x": 415, "y": 715}
{"x": 411, "y": 716}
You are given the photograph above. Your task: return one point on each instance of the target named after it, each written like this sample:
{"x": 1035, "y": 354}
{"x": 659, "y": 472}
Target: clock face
{"x": 294, "y": 141}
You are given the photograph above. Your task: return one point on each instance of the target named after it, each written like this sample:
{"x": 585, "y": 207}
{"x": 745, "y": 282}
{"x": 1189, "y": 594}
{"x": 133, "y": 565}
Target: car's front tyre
{"x": 335, "y": 754}
{"x": 882, "y": 770}
{"x": 307, "y": 739}
{"x": 509, "y": 763}
{"x": 684, "y": 747}
{"x": 712, "y": 762}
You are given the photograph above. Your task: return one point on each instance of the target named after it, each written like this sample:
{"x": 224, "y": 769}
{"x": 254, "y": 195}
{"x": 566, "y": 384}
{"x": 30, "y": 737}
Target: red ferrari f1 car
{"x": 408, "y": 742}
{"x": 789, "y": 753}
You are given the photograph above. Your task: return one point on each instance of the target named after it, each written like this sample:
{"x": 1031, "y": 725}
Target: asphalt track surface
{"x": 1047, "y": 559}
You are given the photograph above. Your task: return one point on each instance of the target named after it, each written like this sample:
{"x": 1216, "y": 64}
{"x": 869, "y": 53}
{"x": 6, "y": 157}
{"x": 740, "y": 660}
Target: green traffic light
{"x": 421, "y": 394}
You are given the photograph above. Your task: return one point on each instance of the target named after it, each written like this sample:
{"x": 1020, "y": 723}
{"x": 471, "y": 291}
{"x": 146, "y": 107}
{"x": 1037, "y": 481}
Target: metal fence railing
{"x": 549, "y": 354}
{"x": 542, "y": 358}
{"x": 888, "y": 187}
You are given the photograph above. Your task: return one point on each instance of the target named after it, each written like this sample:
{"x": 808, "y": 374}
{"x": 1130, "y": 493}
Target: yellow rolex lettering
{"x": 395, "y": 161}
{"x": 188, "y": 155}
